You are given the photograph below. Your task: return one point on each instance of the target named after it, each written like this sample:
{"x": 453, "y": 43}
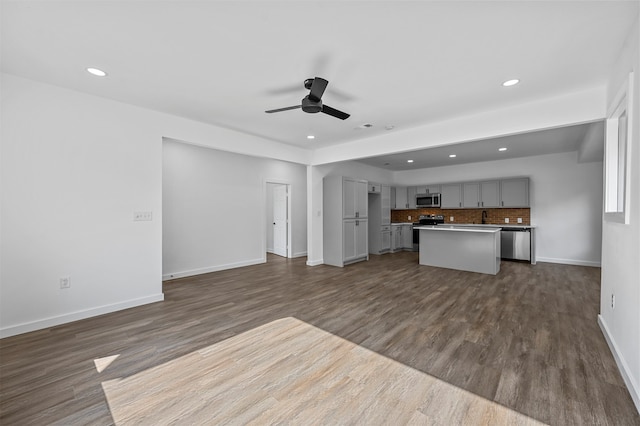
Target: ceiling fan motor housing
{"x": 311, "y": 106}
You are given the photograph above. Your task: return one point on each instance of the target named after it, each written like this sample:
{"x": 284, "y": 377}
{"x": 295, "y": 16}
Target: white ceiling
{"x": 551, "y": 141}
{"x": 396, "y": 63}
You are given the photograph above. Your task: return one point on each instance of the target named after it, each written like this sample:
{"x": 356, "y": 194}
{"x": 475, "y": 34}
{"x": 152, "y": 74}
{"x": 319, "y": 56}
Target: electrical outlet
{"x": 519, "y": 220}
{"x": 506, "y": 220}
{"x": 409, "y": 218}
{"x": 450, "y": 218}
{"x": 142, "y": 216}
{"x": 65, "y": 282}
{"x": 613, "y": 301}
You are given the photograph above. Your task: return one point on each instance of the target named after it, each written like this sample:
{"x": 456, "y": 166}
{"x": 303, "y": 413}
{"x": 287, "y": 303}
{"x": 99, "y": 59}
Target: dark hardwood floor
{"x": 526, "y": 339}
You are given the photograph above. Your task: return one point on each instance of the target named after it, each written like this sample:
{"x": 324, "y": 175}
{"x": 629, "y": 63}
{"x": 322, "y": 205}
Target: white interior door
{"x": 280, "y": 220}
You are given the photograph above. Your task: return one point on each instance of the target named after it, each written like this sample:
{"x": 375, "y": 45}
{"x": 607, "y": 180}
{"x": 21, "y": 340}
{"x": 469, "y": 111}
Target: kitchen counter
{"x": 468, "y": 248}
{"x": 488, "y": 225}
{"x": 460, "y": 228}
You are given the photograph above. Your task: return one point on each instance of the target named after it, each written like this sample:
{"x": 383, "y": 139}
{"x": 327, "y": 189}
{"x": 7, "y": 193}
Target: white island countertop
{"x": 463, "y": 228}
{"x": 491, "y": 225}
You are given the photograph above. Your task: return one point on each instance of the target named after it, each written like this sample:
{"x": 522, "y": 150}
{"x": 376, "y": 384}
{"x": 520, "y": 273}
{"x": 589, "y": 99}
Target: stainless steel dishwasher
{"x": 515, "y": 243}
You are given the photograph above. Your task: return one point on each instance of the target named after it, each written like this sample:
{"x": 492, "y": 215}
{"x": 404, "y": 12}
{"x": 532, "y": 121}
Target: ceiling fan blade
{"x": 317, "y": 88}
{"x": 335, "y": 113}
{"x": 283, "y": 109}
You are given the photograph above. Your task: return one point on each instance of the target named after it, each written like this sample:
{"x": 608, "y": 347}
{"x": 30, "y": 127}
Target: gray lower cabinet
{"x": 401, "y": 237}
{"x": 407, "y": 237}
{"x": 396, "y": 238}
{"x": 379, "y": 239}
{"x": 355, "y": 236}
{"x": 385, "y": 239}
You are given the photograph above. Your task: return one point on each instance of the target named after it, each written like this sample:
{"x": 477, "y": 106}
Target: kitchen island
{"x": 467, "y": 248}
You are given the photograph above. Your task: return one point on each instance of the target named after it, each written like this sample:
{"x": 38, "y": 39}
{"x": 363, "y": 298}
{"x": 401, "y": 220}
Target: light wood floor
{"x": 380, "y": 342}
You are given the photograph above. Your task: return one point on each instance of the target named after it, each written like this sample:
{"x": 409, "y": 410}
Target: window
{"x": 616, "y": 161}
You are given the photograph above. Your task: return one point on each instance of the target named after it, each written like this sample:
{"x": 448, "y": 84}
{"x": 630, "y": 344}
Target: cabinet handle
{"x": 478, "y": 203}
{"x": 483, "y": 204}
{"x": 357, "y": 223}
{"x": 357, "y": 214}
{"x": 502, "y": 203}
{"x": 460, "y": 204}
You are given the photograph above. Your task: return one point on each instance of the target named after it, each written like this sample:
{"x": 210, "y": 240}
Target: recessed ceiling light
{"x": 310, "y": 137}
{"x": 409, "y": 161}
{"x": 452, "y": 156}
{"x": 389, "y": 127}
{"x": 511, "y": 82}
{"x": 502, "y": 149}
{"x": 96, "y": 72}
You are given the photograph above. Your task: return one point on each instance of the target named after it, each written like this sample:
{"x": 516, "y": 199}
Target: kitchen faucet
{"x": 484, "y": 216}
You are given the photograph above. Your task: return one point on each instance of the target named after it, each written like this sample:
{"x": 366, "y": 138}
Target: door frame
{"x": 265, "y": 194}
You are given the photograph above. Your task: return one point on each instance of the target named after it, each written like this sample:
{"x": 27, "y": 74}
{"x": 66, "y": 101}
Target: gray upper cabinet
{"x": 374, "y": 187}
{"x": 354, "y": 195}
{"x": 451, "y": 196}
{"x": 471, "y": 195}
{"x": 514, "y": 192}
{"x": 401, "y": 198}
{"x": 411, "y": 197}
{"x": 428, "y": 189}
{"x": 481, "y": 194}
{"x": 490, "y": 193}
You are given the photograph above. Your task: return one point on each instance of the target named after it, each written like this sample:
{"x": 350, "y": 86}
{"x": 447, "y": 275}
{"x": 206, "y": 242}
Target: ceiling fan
{"x": 312, "y": 103}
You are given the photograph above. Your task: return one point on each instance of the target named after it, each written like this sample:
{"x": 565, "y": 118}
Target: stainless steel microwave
{"x": 427, "y": 200}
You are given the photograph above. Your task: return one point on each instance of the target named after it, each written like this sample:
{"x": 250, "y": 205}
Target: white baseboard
{"x": 192, "y": 272}
{"x": 300, "y": 254}
{"x": 78, "y": 315}
{"x": 568, "y": 261}
{"x": 315, "y": 262}
{"x": 632, "y": 386}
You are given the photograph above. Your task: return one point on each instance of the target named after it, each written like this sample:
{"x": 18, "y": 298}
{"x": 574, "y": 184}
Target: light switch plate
{"x": 519, "y": 220}
{"x": 65, "y": 282}
{"x": 450, "y": 218}
{"x": 142, "y": 216}
{"x": 506, "y": 220}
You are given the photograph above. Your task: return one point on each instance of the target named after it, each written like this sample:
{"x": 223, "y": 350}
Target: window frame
{"x": 617, "y": 158}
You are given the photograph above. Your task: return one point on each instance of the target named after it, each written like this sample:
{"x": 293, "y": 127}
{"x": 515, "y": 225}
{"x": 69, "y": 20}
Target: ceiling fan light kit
{"x": 312, "y": 103}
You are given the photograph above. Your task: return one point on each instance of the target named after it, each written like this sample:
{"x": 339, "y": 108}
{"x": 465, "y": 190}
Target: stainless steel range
{"x": 427, "y": 219}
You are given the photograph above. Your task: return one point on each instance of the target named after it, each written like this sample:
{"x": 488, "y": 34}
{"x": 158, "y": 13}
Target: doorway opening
{"x": 278, "y": 212}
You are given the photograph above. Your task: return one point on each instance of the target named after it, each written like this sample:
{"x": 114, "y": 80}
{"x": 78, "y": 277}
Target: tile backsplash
{"x": 494, "y": 216}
